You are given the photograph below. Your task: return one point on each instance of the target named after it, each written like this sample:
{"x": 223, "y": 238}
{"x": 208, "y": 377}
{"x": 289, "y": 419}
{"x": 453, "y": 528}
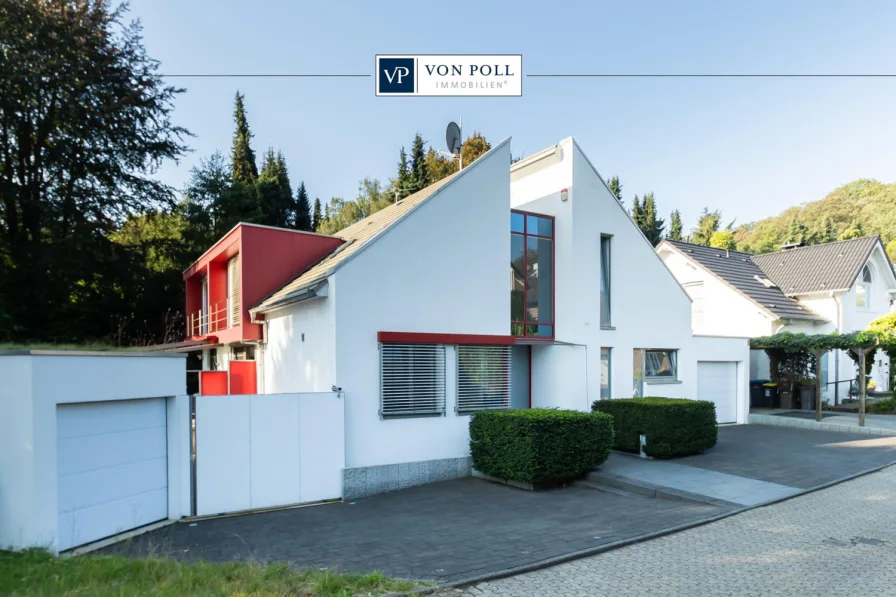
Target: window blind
{"x": 233, "y": 289}
{"x": 412, "y": 379}
{"x": 483, "y": 378}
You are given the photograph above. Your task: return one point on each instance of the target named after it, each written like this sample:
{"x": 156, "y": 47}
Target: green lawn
{"x": 36, "y": 573}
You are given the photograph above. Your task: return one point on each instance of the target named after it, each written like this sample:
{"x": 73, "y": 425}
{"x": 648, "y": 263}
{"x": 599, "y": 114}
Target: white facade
{"x": 726, "y": 312}
{"x": 443, "y": 270}
{"x": 72, "y": 439}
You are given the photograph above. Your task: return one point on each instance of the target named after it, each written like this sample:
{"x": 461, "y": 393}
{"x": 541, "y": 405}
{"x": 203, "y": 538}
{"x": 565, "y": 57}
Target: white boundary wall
{"x": 265, "y": 450}
{"x": 34, "y": 383}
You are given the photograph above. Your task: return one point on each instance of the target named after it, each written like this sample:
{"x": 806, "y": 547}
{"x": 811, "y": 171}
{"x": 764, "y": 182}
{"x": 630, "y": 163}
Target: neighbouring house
{"x": 834, "y": 287}
{"x": 406, "y": 314}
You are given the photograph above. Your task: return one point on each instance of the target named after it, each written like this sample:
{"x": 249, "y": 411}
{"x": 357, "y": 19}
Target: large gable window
{"x": 412, "y": 380}
{"x": 863, "y": 288}
{"x": 531, "y": 274}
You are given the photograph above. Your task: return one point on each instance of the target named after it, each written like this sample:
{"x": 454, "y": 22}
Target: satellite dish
{"x": 452, "y": 138}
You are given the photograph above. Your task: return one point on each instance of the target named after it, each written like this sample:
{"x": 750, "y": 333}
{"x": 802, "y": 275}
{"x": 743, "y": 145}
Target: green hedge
{"x": 539, "y": 446}
{"x": 673, "y": 426}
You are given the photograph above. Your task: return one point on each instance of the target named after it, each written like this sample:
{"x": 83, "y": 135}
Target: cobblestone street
{"x": 838, "y": 541}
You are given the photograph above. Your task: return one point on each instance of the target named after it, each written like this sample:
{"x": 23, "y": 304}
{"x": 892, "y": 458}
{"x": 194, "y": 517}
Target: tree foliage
{"x": 242, "y": 158}
{"x": 316, "y": 217}
{"x": 85, "y": 121}
{"x": 651, "y": 225}
{"x": 371, "y": 198}
{"x": 723, "y": 239}
{"x": 676, "y": 230}
{"x": 707, "y": 225}
{"x": 615, "y": 187}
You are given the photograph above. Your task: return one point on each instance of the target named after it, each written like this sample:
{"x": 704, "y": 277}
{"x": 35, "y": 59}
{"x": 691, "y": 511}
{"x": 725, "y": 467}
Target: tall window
{"x": 412, "y": 380}
{"x": 605, "y": 320}
{"x": 863, "y": 288}
{"x": 483, "y": 378}
{"x": 605, "y": 373}
{"x": 531, "y": 275}
{"x": 233, "y": 291}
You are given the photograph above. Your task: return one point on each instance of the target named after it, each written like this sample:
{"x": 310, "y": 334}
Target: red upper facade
{"x": 237, "y": 272}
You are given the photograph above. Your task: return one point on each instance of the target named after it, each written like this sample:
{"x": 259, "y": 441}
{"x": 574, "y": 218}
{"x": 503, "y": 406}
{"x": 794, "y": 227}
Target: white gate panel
{"x": 717, "y": 383}
{"x": 275, "y": 450}
{"x": 223, "y": 470}
{"x": 321, "y": 431}
{"x": 266, "y": 450}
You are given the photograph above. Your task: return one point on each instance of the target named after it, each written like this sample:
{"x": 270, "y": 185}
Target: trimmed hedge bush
{"x": 673, "y": 426}
{"x": 539, "y": 446}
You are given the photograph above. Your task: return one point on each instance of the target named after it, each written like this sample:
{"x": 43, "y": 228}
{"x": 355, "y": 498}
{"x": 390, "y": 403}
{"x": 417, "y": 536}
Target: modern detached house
{"x": 834, "y": 287}
{"x": 407, "y": 313}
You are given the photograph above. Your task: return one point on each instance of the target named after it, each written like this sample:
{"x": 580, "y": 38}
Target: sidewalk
{"x": 831, "y": 421}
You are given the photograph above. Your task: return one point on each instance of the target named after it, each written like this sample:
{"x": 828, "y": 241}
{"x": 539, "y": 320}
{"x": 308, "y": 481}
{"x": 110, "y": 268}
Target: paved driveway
{"x": 469, "y": 527}
{"x": 802, "y": 458}
{"x": 837, "y": 542}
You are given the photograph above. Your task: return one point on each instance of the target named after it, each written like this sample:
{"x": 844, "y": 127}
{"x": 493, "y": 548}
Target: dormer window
{"x": 863, "y": 288}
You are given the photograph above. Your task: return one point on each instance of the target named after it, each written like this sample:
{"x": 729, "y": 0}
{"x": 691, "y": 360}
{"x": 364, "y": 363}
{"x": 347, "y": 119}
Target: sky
{"x": 747, "y": 146}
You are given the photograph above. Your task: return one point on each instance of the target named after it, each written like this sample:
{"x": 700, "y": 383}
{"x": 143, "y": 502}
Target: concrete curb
{"x": 584, "y": 553}
{"x": 798, "y": 423}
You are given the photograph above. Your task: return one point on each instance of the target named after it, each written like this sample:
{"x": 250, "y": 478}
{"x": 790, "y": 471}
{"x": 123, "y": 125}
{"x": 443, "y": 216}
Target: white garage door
{"x": 112, "y": 464}
{"x": 717, "y": 382}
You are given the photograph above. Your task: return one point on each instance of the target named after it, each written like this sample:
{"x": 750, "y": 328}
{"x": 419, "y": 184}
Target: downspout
{"x": 839, "y": 305}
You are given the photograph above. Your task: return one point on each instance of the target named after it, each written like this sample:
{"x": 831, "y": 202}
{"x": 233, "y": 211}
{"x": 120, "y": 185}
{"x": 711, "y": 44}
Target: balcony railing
{"x": 208, "y": 321}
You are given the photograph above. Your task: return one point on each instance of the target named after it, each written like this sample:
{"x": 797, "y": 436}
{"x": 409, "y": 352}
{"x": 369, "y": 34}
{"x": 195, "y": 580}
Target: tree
{"x": 316, "y": 217}
{"x": 439, "y": 166}
{"x": 274, "y": 192}
{"x": 797, "y": 231}
{"x": 827, "y": 231}
{"x": 855, "y": 230}
{"x": 615, "y": 188}
{"x": 403, "y": 185}
{"x": 242, "y": 158}
{"x": 372, "y": 197}
{"x": 303, "y": 219}
{"x": 651, "y": 225}
{"x": 891, "y": 252}
{"x": 85, "y": 121}
{"x": 637, "y": 214}
{"x": 419, "y": 175}
{"x": 473, "y": 148}
{"x": 707, "y": 225}
{"x": 723, "y": 239}
{"x": 676, "y": 231}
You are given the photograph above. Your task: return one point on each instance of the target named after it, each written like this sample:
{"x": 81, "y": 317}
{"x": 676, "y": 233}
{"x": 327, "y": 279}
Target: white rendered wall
{"x": 443, "y": 269}
{"x": 299, "y": 353}
{"x": 33, "y": 386}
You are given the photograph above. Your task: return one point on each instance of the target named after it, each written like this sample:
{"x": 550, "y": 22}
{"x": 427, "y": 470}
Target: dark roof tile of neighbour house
{"x": 817, "y": 268}
{"x": 739, "y": 272}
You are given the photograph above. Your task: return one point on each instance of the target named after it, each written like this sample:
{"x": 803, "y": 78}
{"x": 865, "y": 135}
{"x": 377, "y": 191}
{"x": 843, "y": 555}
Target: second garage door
{"x": 717, "y": 383}
{"x": 112, "y": 467}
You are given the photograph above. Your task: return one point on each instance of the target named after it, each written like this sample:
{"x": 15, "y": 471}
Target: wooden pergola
{"x": 859, "y": 343}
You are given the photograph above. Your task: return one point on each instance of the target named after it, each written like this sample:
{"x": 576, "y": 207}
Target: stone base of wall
{"x": 371, "y": 480}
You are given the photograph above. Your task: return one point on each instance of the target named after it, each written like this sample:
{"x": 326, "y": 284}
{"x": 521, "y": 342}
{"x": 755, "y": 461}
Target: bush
{"x": 883, "y": 406}
{"x": 539, "y": 446}
{"x": 673, "y": 426}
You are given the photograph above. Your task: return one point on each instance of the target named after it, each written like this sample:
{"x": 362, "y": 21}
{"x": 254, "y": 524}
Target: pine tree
{"x": 242, "y": 159}
{"x": 303, "y": 209}
{"x": 419, "y": 173}
{"x": 316, "y": 217}
{"x": 707, "y": 225}
{"x": 797, "y": 232}
{"x": 275, "y": 192}
{"x": 615, "y": 188}
{"x": 676, "y": 231}
{"x": 651, "y": 225}
{"x": 404, "y": 181}
{"x": 828, "y": 231}
{"x": 855, "y": 230}
{"x": 637, "y": 214}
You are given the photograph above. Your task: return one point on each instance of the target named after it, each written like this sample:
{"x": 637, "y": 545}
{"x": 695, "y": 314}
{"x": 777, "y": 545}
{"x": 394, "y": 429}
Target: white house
{"x": 407, "y": 314}
{"x": 834, "y": 287}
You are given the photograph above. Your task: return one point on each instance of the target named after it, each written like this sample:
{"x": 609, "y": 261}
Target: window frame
{"x": 440, "y": 384}
{"x": 661, "y": 378}
{"x": 525, "y": 236}
{"x": 505, "y": 355}
{"x": 866, "y": 286}
{"x": 608, "y": 238}
{"x": 609, "y": 353}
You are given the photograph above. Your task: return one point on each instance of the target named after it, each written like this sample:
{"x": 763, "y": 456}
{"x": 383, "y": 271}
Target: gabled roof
{"x": 738, "y": 271}
{"x": 818, "y": 268}
{"x": 358, "y": 236}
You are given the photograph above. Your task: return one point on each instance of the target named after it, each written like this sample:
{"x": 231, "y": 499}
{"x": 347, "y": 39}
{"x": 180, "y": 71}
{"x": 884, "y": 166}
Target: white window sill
{"x": 661, "y": 382}
{"x": 604, "y": 326}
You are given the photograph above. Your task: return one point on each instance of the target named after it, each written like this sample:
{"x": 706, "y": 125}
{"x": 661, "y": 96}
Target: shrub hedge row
{"x": 673, "y": 426}
{"x": 539, "y": 446}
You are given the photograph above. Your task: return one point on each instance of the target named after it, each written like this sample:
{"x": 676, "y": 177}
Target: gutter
{"x": 315, "y": 290}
